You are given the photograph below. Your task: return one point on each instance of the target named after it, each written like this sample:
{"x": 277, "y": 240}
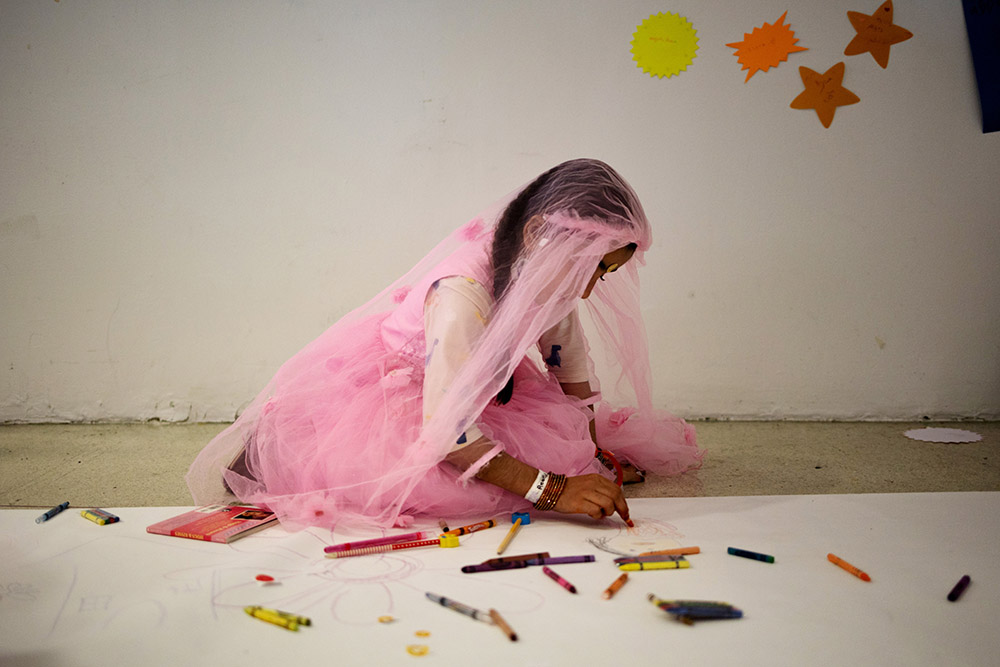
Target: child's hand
{"x": 594, "y": 496}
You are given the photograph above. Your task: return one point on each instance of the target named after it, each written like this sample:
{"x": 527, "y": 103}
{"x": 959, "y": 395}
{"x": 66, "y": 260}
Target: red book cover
{"x": 215, "y": 523}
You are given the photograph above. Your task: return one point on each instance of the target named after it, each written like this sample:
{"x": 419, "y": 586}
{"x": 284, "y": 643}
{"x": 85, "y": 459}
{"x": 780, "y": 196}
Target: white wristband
{"x": 535, "y": 492}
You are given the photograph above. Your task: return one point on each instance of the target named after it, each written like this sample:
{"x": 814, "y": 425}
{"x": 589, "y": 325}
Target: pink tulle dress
{"x": 354, "y": 429}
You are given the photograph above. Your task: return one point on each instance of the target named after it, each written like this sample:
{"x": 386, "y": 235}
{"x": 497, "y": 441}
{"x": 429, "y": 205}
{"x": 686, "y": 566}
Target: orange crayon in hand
{"x": 847, "y": 566}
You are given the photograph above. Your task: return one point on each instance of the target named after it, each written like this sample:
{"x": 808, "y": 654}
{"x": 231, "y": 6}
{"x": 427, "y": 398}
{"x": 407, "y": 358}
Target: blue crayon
{"x": 52, "y": 512}
{"x": 705, "y": 613}
{"x": 753, "y": 555}
{"x": 689, "y": 611}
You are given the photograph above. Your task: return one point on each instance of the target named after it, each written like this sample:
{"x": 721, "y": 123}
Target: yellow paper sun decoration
{"x": 664, "y": 45}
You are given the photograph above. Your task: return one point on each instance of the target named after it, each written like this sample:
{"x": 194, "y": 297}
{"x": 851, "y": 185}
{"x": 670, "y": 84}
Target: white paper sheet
{"x": 73, "y": 592}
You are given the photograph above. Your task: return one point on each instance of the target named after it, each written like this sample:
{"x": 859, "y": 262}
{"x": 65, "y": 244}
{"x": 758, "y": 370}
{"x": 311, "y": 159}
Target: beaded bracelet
{"x": 554, "y": 488}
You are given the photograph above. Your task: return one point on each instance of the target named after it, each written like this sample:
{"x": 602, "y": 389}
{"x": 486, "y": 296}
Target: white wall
{"x": 191, "y": 191}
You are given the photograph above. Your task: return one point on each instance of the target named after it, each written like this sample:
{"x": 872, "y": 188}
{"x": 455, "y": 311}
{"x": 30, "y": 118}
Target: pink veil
{"x": 339, "y": 435}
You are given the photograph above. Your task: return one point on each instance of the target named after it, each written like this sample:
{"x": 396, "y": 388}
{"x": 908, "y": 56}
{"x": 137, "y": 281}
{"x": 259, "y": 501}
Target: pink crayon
{"x": 559, "y": 580}
{"x": 379, "y": 541}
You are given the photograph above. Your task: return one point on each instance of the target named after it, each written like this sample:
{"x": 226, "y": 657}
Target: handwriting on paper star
{"x": 766, "y": 47}
{"x": 876, "y": 33}
{"x": 664, "y": 44}
{"x": 824, "y": 92}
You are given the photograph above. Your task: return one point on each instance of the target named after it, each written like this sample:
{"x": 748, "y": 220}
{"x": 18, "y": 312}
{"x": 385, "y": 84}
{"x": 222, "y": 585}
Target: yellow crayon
{"x": 99, "y": 516}
{"x": 272, "y": 616}
{"x": 509, "y": 537}
{"x": 655, "y": 565}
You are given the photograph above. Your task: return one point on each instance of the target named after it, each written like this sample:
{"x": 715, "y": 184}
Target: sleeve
{"x": 564, "y": 350}
{"x": 455, "y": 313}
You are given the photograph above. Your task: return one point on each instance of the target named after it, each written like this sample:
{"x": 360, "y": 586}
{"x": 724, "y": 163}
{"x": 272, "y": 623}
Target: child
{"x": 428, "y": 400}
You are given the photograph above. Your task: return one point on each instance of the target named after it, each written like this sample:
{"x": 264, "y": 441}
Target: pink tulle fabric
{"x": 339, "y": 435}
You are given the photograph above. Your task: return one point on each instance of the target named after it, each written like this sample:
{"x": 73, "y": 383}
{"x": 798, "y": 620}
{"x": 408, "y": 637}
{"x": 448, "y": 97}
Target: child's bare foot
{"x": 632, "y": 475}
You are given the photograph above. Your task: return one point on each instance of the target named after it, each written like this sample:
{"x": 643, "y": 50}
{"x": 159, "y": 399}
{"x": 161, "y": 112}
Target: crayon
{"x": 847, "y": 566}
{"x": 494, "y": 567}
{"x": 502, "y": 624}
{"x": 663, "y": 604}
{"x": 679, "y": 551}
{"x": 471, "y": 528}
{"x": 514, "y": 563}
{"x": 379, "y": 541}
{"x": 510, "y": 536}
{"x": 753, "y": 555}
{"x": 301, "y": 620}
{"x": 688, "y": 611}
{"x": 273, "y": 616}
{"x": 657, "y": 565}
{"x": 959, "y": 588}
{"x": 460, "y": 608}
{"x": 559, "y": 580}
{"x": 381, "y": 548}
{"x": 648, "y": 559}
{"x": 512, "y": 559}
{"x": 99, "y": 516}
{"x": 561, "y": 560}
{"x": 615, "y": 586}
{"x": 698, "y": 613}
{"x": 52, "y": 512}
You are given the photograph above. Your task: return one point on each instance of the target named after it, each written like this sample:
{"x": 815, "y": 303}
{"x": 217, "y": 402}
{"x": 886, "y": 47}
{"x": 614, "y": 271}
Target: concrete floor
{"x": 135, "y": 465}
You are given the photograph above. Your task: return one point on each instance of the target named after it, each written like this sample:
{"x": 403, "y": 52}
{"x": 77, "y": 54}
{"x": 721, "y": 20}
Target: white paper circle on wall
{"x": 942, "y": 435}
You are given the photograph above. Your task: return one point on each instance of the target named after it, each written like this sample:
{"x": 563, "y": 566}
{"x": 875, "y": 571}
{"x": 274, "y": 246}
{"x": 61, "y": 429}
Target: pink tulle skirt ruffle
{"x": 344, "y": 410}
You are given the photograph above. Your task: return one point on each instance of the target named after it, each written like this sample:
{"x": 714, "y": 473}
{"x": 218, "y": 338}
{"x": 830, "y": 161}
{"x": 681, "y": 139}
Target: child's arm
{"x": 592, "y": 494}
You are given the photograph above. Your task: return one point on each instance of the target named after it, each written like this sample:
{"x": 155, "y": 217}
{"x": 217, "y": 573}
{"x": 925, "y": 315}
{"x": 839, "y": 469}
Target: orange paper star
{"x": 766, "y": 47}
{"x": 824, "y": 92}
{"x": 876, "y": 33}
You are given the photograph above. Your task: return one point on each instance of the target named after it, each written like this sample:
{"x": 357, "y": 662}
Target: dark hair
{"x": 590, "y": 188}
{"x": 509, "y": 235}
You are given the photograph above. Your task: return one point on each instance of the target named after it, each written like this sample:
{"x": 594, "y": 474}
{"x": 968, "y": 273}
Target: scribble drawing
{"x": 19, "y": 591}
{"x": 351, "y": 591}
{"x": 648, "y": 535}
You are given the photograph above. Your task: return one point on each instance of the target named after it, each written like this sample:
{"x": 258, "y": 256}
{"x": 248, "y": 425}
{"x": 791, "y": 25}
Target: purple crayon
{"x": 959, "y": 588}
{"x": 494, "y": 567}
{"x": 559, "y": 560}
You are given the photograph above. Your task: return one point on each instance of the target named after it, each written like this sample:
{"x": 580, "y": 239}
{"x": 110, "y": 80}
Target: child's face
{"x": 608, "y": 264}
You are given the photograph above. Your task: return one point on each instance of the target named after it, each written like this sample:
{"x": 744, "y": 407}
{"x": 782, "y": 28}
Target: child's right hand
{"x": 593, "y": 495}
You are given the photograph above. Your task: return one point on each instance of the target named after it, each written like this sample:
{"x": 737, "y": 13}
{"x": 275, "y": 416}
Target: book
{"x": 216, "y": 523}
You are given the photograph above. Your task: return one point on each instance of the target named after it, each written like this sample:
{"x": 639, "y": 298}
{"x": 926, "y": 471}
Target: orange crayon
{"x": 615, "y": 585}
{"x": 847, "y": 566}
{"x": 679, "y": 551}
{"x": 465, "y": 530}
